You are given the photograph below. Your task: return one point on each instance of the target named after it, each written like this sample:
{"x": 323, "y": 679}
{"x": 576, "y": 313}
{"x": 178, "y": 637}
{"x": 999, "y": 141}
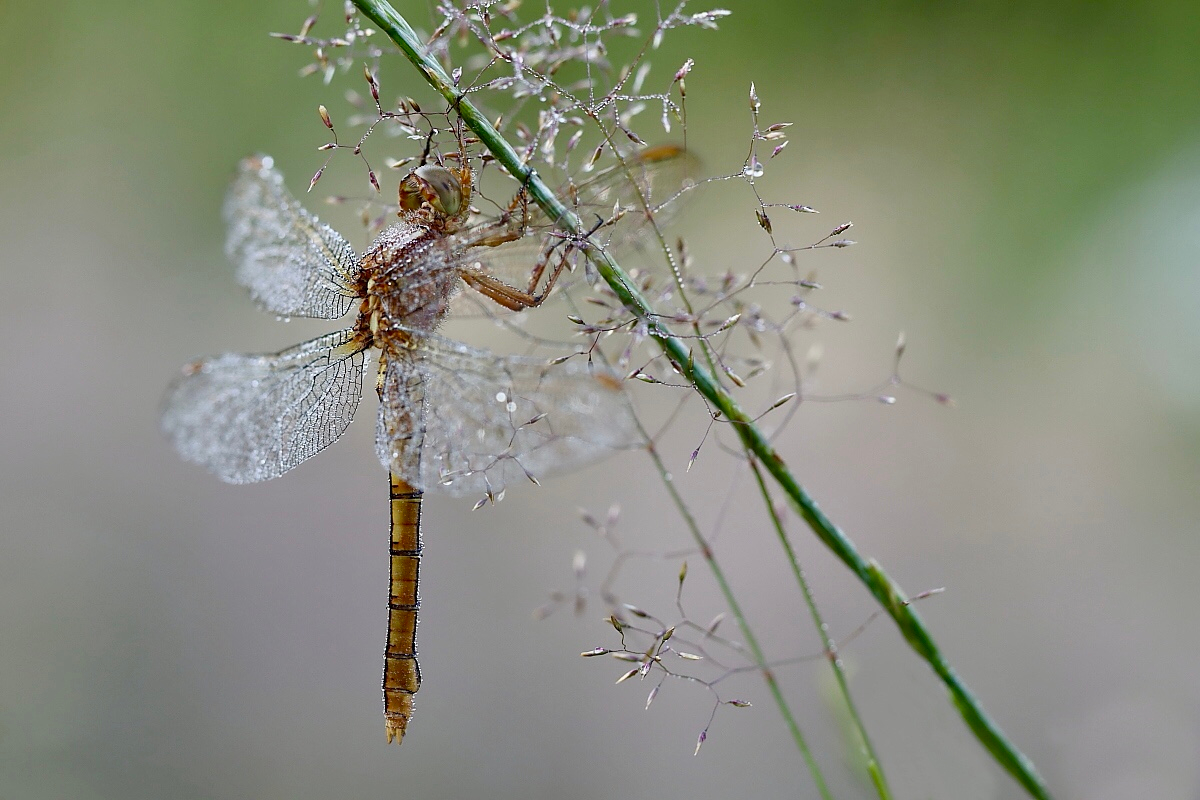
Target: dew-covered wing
{"x": 654, "y": 178}
{"x": 254, "y": 417}
{"x": 292, "y": 263}
{"x": 465, "y": 421}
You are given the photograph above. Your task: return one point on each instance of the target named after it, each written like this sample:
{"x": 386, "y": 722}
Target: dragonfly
{"x": 451, "y": 418}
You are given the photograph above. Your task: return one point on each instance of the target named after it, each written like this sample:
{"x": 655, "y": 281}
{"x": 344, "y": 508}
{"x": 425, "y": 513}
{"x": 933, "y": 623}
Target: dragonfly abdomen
{"x": 401, "y": 673}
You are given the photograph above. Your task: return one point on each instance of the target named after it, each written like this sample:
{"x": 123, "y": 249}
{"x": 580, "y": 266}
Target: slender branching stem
{"x": 870, "y": 573}
{"x": 735, "y": 609}
{"x": 874, "y": 768}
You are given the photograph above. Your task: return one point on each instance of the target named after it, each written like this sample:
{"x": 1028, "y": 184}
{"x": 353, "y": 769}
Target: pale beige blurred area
{"x": 1025, "y": 190}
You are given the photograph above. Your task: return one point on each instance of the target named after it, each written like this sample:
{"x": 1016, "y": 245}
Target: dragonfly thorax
{"x": 409, "y": 278}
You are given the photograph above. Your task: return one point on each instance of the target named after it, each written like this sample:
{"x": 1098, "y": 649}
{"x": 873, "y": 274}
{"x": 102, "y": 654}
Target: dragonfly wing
{"x": 463, "y": 421}
{"x": 653, "y": 178}
{"x": 254, "y": 417}
{"x": 292, "y": 263}
{"x": 400, "y": 427}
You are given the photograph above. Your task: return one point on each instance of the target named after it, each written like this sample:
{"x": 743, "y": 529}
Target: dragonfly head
{"x": 436, "y": 194}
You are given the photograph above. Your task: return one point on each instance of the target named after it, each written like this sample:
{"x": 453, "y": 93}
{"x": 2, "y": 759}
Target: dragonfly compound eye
{"x": 437, "y": 186}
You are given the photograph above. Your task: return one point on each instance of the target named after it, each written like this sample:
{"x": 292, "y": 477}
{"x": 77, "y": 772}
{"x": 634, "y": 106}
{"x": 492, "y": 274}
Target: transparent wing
{"x": 657, "y": 176}
{"x": 254, "y": 417}
{"x": 292, "y": 263}
{"x": 462, "y": 421}
{"x": 653, "y": 178}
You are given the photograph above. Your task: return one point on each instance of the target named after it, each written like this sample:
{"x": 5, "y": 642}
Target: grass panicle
{"x": 572, "y": 89}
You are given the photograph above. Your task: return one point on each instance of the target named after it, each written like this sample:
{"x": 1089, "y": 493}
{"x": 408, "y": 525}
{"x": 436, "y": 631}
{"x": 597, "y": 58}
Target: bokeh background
{"x": 1024, "y": 179}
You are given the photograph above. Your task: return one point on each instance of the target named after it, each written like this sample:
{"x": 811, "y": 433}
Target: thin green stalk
{"x": 871, "y": 574}
{"x": 735, "y": 609}
{"x": 874, "y": 768}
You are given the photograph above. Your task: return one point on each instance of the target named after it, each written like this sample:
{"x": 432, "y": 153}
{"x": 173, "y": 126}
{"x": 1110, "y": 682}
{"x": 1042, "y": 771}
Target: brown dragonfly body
{"x": 387, "y": 311}
{"x": 451, "y": 418}
{"x": 397, "y": 301}
{"x": 407, "y": 288}
{"x": 392, "y": 306}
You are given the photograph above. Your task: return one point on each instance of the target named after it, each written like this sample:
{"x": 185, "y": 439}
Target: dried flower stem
{"x": 886, "y": 592}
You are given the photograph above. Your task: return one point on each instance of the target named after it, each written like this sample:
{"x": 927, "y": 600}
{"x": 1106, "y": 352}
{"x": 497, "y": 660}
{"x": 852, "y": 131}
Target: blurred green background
{"x": 1024, "y": 179}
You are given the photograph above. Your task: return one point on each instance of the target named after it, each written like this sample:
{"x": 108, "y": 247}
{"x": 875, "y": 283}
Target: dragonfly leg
{"x": 510, "y": 297}
{"x": 503, "y": 229}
